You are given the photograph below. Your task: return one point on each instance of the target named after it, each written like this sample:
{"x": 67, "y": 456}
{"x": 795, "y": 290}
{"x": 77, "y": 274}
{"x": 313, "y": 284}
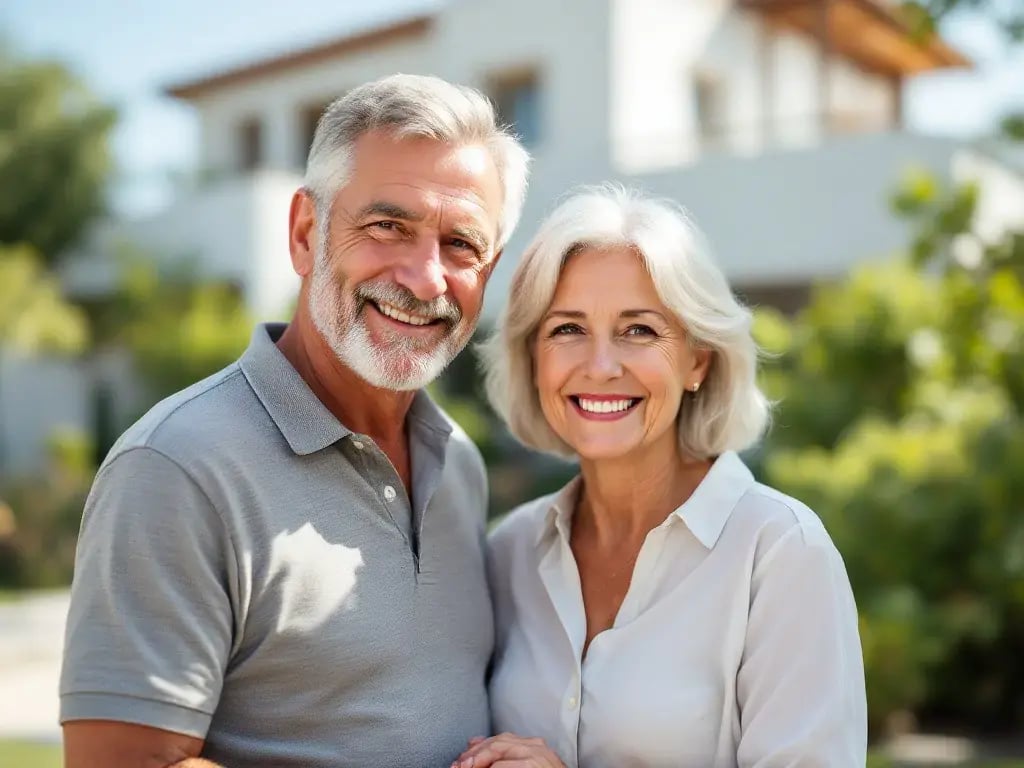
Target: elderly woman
{"x": 664, "y": 608}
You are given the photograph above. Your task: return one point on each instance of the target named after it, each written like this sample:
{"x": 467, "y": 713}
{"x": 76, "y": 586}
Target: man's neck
{"x": 363, "y": 408}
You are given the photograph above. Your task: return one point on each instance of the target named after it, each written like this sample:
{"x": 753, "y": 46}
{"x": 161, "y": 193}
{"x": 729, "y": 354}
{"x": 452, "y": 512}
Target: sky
{"x": 127, "y": 51}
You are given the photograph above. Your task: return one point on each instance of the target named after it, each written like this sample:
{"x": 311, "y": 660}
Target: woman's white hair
{"x": 728, "y": 413}
{"x": 417, "y": 106}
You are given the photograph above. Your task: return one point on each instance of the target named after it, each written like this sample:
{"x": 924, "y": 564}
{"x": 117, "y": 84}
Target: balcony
{"x": 232, "y": 229}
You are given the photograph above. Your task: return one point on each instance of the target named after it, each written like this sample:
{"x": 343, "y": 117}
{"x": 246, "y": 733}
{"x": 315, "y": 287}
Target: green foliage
{"x": 40, "y": 516}
{"x": 27, "y": 754}
{"x": 178, "y": 327}
{"x": 33, "y": 315}
{"x": 924, "y": 16}
{"x": 1012, "y": 126}
{"x": 1006, "y": 17}
{"x": 54, "y": 158}
{"x": 902, "y": 423}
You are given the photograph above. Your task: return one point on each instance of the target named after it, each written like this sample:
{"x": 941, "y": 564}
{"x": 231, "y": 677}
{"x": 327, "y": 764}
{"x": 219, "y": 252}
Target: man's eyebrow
{"x": 391, "y": 210}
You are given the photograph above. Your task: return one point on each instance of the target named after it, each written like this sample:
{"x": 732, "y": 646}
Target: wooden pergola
{"x": 872, "y": 33}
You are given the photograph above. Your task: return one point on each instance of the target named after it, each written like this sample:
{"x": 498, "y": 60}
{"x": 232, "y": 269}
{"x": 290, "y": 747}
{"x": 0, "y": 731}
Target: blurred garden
{"x": 900, "y": 415}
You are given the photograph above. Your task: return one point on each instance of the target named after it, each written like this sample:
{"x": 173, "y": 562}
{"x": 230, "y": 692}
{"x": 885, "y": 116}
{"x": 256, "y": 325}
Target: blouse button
{"x": 573, "y": 702}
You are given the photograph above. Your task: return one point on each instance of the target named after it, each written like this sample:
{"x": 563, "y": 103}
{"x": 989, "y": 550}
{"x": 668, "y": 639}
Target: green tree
{"x": 902, "y": 423}
{"x": 34, "y": 317}
{"x": 1006, "y": 15}
{"x": 54, "y": 158}
{"x": 178, "y": 327}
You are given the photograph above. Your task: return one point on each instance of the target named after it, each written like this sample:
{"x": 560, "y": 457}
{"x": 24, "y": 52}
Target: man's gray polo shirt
{"x": 251, "y": 572}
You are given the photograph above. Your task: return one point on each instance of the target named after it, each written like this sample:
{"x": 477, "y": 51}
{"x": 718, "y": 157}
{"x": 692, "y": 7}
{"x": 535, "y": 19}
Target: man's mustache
{"x": 442, "y": 308}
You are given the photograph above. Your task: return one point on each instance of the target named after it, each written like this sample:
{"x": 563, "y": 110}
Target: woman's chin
{"x": 606, "y": 450}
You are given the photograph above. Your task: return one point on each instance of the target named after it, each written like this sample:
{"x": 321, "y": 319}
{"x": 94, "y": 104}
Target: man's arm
{"x": 105, "y": 743}
{"x": 150, "y": 625}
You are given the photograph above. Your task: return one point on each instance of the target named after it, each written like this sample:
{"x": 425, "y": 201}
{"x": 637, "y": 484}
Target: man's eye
{"x": 462, "y": 244}
{"x": 566, "y": 329}
{"x": 387, "y": 226}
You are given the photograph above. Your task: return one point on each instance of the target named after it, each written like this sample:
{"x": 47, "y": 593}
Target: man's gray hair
{"x": 729, "y": 413}
{"x": 409, "y": 106}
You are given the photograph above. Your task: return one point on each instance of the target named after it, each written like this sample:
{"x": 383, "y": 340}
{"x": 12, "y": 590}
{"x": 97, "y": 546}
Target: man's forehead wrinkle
{"x": 464, "y": 195}
{"x": 468, "y": 209}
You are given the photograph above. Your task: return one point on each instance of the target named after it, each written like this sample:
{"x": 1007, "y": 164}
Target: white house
{"x": 778, "y": 123}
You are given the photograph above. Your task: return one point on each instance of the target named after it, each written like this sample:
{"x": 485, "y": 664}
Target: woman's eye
{"x": 566, "y": 329}
{"x": 640, "y": 330}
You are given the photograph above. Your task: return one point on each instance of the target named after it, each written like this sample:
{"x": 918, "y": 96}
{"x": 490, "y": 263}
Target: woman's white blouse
{"x": 736, "y": 644}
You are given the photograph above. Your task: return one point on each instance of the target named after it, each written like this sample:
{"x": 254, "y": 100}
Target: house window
{"x": 709, "y": 106}
{"x": 517, "y": 100}
{"x": 309, "y": 118}
{"x": 250, "y": 144}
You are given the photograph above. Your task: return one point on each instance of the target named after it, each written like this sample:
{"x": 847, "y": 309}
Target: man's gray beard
{"x": 401, "y": 367}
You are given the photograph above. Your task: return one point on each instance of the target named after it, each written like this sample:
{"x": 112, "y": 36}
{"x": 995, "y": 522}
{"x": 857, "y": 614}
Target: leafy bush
{"x": 902, "y": 423}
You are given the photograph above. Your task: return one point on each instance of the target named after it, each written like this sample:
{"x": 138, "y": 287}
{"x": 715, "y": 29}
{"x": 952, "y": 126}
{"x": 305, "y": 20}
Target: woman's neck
{"x": 625, "y": 498}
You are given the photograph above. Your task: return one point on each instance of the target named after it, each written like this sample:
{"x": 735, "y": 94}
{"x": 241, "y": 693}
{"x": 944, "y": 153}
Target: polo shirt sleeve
{"x": 800, "y": 685}
{"x": 150, "y": 625}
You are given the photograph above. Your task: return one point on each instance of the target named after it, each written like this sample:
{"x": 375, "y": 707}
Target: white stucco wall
{"x": 655, "y": 46}
{"x": 768, "y": 79}
{"x": 617, "y": 101}
{"x": 1000, "y": 205}
{"x": 565, "y": 43}
{"x": 233, "y": 229}
{"x": 39, "y": 395}
{"x": 278, "y": 100}
{"x": 271, "y": 284}
{"x": 803, "y": 214}
{"x": 869, "y": 97}
{"x": 794, "y": 91}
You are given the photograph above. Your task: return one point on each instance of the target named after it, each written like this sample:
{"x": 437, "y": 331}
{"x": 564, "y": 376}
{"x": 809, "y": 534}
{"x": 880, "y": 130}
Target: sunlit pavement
{"x": 31, "y": 638}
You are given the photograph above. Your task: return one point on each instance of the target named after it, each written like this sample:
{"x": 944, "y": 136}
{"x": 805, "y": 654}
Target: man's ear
{"x": 302, "y": 233}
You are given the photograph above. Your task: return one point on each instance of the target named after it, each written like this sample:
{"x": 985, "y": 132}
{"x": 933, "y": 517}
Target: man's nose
{"x": 422, "y": 271}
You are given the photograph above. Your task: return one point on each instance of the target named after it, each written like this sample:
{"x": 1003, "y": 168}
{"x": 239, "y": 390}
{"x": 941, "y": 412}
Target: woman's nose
{"x": 603, "y": 363}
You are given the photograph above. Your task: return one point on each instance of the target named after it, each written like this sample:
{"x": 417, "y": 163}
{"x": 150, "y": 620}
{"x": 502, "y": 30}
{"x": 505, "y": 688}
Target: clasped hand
{"x": 507, "y": 750}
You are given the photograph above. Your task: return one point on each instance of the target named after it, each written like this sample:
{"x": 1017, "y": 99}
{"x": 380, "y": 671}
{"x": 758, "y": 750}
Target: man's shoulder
{"x": 196, "y": 420}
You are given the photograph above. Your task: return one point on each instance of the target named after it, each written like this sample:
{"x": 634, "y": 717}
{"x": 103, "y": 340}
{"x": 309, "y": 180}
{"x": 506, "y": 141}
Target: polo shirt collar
{"x": 304, "y": 421}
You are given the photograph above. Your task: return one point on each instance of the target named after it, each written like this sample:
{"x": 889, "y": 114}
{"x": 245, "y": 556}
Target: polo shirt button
{"x": 389, "y": 493}
{"x": 572, "y": 702}
{"x": 357, "y": 445}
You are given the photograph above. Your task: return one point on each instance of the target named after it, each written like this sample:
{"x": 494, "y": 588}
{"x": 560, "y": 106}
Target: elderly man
{"x": 282, "y": 565}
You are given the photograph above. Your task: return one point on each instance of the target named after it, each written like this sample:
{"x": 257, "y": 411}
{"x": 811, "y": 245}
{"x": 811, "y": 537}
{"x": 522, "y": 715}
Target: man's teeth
{"x": 402, "y": 317}
{"x": 605, "y": 406}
